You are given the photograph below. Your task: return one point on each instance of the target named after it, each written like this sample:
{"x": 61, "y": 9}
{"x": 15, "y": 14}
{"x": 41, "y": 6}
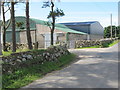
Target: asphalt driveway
{"x": 94, "y": 68}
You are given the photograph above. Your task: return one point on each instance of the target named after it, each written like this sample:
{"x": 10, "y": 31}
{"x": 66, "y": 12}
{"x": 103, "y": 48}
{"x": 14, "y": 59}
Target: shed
{"x": 93, "y": 29}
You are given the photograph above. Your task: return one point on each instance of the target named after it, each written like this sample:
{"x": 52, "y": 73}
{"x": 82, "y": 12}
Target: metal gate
{"x": 48, "y": 39}
{"x": 71, "y": 44}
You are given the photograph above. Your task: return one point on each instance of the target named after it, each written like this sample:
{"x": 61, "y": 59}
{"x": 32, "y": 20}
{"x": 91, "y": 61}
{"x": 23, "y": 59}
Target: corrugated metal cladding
{"x": 79, "y": 23}
{"x": 91, "y": 27}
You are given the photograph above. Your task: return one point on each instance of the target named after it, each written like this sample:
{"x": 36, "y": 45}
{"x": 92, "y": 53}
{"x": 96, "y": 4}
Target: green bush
{"x": 105, "y": 45}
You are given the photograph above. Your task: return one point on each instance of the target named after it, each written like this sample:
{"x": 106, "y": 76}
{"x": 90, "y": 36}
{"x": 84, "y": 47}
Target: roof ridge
{"x": 79, "y": 22}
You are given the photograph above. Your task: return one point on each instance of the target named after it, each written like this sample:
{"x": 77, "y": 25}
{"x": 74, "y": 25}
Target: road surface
{"x": 94, "y": 68}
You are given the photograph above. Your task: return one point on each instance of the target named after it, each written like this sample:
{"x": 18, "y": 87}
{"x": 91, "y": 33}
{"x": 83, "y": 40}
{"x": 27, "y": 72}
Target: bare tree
{"x": 13, "y": 26}
{"x": 0, "y": 32}
{"x": 28, "y": 26}
{"x": 53, "y": 15}
{"x": 4, "y": 25}
{"x": 11, "y": 21}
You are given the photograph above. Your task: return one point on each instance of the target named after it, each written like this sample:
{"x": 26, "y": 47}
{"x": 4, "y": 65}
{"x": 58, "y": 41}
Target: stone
{"x": 44, "y": 54}
{"x": 24, "y": 56}
{"x": 18, "y": 60}
{"x": 5, "y": 60}
{"x": 11, "y": 63}
{"x": 18, "y": 57}
{"x": 23, "y": 59}
{"x": 29, "y": 57}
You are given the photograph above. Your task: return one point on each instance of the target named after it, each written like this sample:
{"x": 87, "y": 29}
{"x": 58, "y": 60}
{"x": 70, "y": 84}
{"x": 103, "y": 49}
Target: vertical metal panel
{"x": 9, "y": 36}
{"x": 48, "y": 39}
{"x": 81, "y": 28}
{"x": 96, "y": 28}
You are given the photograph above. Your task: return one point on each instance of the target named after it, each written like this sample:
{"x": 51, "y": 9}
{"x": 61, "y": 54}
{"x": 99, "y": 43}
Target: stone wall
{"x": 88, "y": 43}
{"x": 96, "y": 37}
{"x": 25, "y": 59}
{"x": 18, "y": 46}
{"x": 73, "y": 36}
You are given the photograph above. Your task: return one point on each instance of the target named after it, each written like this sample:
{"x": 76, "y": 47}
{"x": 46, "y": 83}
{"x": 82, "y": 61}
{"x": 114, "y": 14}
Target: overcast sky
{"x": 75, "y": 11}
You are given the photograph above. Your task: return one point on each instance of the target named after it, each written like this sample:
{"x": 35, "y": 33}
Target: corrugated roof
{"x": 57, "y": 26}
{"x": 66, "y": 29}
{"x": 79, "y": 23}
{"x": 22, "y": 19}
{"x": 22, "y": 29}
{"x": 69, "y": 30}
{"x": 37, "y": 21}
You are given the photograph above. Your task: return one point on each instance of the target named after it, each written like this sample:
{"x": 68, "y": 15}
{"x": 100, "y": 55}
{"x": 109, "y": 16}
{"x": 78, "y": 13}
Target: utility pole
{"x": 111, "y": 25}
{"x": 115, "y": 30}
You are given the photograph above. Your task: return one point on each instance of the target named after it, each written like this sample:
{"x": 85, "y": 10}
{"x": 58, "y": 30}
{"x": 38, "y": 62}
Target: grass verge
{"x": 113, "y": 43}
{"x": 7, "y": 53}
{"x": 27, "y": 75}
{"x": 89, "y": 47}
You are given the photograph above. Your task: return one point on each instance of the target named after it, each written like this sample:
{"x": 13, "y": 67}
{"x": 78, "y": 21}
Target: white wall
{"x": 81, "y": 28}
{"x": 96, "y": 29}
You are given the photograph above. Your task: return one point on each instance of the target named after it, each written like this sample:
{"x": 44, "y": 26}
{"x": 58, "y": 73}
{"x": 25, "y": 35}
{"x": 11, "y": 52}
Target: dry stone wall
{"x": 88, "y": 43}
{"x": 25, "y": 59}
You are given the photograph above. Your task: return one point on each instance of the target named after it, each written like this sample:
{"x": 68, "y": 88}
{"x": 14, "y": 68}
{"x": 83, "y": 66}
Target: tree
{"x": 4, "y": 25}
{"x": 20, "y": 25}
{"x": 28, "y": 26}
{"x": 7, "y": 24}
{"x": 107, "y": 31}
{"x": 53, "y": 15}
{"x": 118, "y": 32}
{"x": 4, "y": 30}
{"x": 13, "y": 26}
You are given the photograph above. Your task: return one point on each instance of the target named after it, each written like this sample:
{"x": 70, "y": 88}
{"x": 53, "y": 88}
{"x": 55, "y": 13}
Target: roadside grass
{"x": 103, "y": 46}
{"x": 7, "y": 53}
{"x": 112, "y": 44}
{"x": 89, "y": 47}
{"x": 24, "y": 76}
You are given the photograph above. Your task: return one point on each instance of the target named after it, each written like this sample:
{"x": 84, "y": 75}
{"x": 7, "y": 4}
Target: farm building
{"x": 40, "y": 32}
{"x": 93, "y": 29}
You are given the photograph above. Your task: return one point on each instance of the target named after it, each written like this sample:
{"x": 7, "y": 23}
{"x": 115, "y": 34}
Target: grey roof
{"x": 79, "y": 23}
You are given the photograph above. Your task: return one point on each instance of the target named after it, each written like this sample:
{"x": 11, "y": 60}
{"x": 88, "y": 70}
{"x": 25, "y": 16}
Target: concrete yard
{"x": 94, "y": 68}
